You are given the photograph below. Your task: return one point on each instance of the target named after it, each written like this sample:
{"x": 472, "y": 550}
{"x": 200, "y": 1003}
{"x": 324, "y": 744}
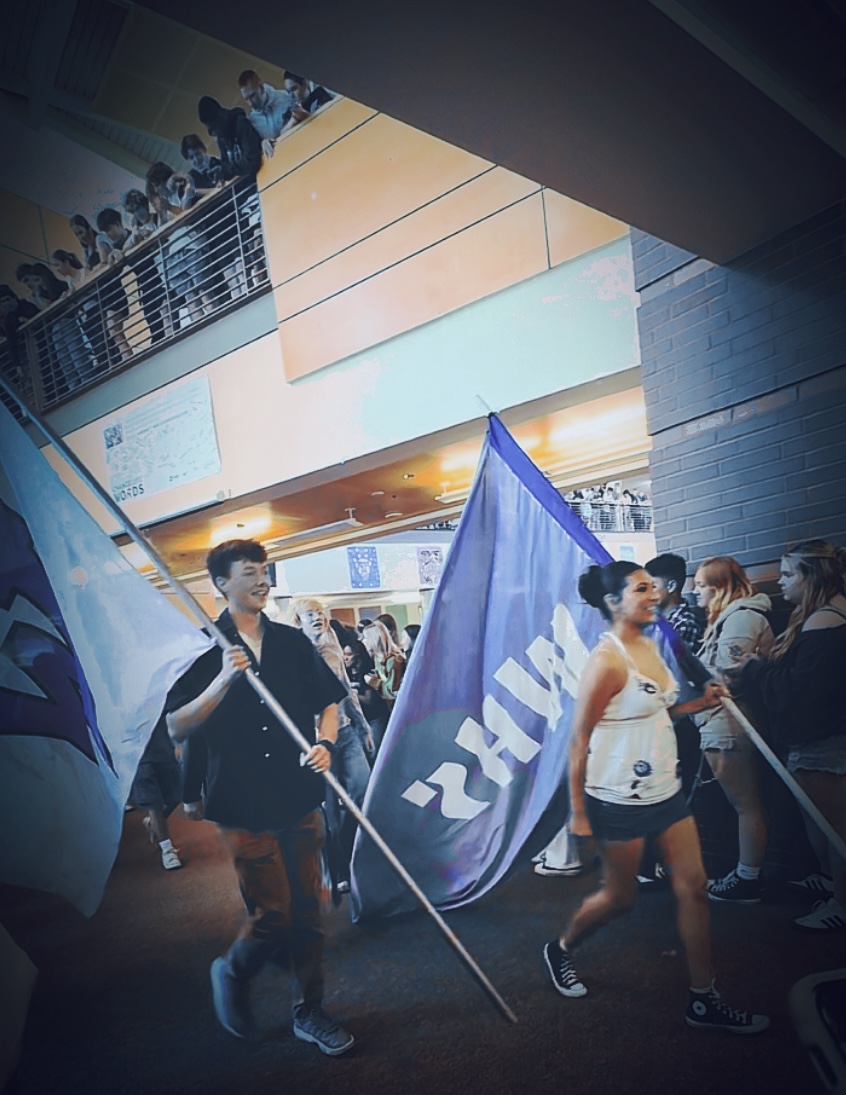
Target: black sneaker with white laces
{"x": 707, "y": 1011}
{"x": 740, "y": 891}
{"x": 560, "y": 967}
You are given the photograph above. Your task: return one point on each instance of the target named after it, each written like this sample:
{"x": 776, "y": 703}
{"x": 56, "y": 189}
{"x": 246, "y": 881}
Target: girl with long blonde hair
{"x": 388, "y": 660}
{"x": 737, "y": 626}
{"x": 801, "y": 689}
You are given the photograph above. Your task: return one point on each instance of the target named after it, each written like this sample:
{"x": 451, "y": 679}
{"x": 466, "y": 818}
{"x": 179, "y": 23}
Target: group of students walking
{"x": 623, "y": 779}
{"x": 624, "y": 782}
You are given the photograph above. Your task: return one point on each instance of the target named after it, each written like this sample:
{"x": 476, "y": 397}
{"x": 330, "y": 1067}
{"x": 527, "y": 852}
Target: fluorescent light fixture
{"x": 319, "y": 532}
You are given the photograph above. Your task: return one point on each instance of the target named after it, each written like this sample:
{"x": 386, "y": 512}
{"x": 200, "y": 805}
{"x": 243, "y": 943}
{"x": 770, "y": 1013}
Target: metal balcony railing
{"x": 614, "y": 516}
{"x": 204, "y": 262}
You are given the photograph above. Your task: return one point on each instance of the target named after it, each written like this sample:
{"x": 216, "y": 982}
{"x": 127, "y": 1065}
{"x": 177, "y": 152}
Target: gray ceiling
{"x": 710, "y": 123}
{"x": 713, "y": 124}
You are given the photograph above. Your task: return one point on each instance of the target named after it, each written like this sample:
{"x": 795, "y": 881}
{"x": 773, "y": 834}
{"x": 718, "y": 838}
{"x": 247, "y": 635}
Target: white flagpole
{"x": 270, "y": 700}
{"x": 834, "y": 839}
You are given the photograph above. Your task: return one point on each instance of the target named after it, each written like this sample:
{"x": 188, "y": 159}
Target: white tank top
{"x": 632, "y": 756}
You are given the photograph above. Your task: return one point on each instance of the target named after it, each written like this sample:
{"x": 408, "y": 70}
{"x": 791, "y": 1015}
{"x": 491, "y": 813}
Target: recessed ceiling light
{"x": 393, "y": 513}
{"x": 376, "y": 493}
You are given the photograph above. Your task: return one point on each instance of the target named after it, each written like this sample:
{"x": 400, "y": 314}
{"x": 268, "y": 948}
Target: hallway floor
{"x": 122, "y": 1004}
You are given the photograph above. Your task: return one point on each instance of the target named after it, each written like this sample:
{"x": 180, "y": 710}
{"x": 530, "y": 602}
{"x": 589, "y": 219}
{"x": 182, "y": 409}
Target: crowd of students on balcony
{"x": 609, "y": 507}
{"x": 198, "y": 267}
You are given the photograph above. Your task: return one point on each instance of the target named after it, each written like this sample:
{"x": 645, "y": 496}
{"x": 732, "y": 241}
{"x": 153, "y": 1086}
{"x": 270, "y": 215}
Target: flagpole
{"x": 261, "y": 688}
{"x": 798, "y": 793}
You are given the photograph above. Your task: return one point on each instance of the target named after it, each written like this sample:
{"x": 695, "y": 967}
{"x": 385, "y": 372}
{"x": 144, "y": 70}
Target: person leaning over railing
{"x": 184, "y": 247}
{"x": 64, "y": 354}
{"x": 112, "y": 237}
{"x": 14, "y": 312}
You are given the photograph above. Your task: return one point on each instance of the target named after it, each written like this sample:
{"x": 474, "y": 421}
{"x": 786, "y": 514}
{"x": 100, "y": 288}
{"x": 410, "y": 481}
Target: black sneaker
{"x": 231, "y": 998}
{"x": 314, "y": 1025}
{"x": 707, "y": 1011}
{"x": 742, "y": 891}
{"x": 560, "y": 967}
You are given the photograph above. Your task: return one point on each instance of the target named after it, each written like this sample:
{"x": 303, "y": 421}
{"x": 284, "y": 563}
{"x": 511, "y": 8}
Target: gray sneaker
{"x": 314, "y": 1025}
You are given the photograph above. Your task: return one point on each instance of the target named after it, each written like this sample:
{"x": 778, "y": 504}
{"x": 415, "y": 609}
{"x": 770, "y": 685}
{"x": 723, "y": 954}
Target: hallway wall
{"x": 744, "y": 375}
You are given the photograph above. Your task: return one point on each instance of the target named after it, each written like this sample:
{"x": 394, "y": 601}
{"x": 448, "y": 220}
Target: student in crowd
{"x": 270, "y": 110}
{"x": 157, "y": 789}
{"x": 624, "y": 787}
{"x": 205, "y": 170}
{"x": 307, "y": 97}
{"x": 388, "y": 663}
{"x": 70, "y": 269}
{"x": 187, "y": 279}
{"x": 14, "y": 312}
{"x": 87, "y": 238}
{"x": 359, "y": 666}
{"x": 263, "y": 793}
{"x": 669, "y": 573}
{"x": 97, "y": 326}
{"x": 65, "y": 356}
{"x": 112, "y": 237}
{"x": 391, "y": 624}
{"x": 239, "y": 145}
{"x": 349, "y": 760}
{"x": 738, "y": 625}
{"x": 143, "y": 223}
{"x": 240, "y": 150}
{"x": 41, "y": 283}
{"x": 799, "y": 687}
{"x": 409, "y": 638}
{"x": 220, "y": 230}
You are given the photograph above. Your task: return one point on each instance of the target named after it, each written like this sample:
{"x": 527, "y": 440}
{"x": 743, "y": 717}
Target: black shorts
{"x": 624, "y": 821}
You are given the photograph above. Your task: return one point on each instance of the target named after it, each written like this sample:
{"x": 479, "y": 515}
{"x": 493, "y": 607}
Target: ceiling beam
{"x": 724, "y": 43}
{"x": 14, "y": 84}
{"x": 46, "y": 54}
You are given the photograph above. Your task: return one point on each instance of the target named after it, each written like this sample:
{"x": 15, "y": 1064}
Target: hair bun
{"x": 591, "y": 586}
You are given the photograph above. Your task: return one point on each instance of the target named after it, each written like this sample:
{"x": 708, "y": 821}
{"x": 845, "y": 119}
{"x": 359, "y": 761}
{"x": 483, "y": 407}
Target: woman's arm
{"x": 711, "y": 697}
{"x": 603, "y": 677}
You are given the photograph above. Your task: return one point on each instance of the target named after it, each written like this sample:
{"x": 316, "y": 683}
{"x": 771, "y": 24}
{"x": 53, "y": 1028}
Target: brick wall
{"x": 744, "y": 374}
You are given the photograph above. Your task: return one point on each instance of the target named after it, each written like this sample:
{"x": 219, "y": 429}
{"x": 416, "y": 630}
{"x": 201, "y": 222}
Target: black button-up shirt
{"x": 252, "y": 772}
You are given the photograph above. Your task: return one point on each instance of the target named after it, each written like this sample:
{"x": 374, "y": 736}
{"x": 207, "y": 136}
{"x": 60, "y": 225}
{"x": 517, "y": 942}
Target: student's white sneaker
{"x": 170, "y": 860}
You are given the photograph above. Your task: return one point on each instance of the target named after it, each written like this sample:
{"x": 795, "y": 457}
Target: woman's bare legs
{"x": 827, "y": 791}
{"x": 736, "y": 773}
{"x": 615, "y": 896}
{"x": 682, "y": 854}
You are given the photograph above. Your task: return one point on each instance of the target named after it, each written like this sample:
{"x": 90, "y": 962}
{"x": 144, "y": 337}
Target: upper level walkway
{"x": 202, "y": 264}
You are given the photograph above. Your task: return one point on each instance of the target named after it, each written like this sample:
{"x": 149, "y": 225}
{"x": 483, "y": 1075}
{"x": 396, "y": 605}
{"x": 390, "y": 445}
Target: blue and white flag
{"x": 478, "y": 740}
{"x": 88, "y": 652}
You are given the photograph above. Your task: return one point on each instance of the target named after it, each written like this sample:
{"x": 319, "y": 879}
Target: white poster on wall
{"x": 167, "y": 441}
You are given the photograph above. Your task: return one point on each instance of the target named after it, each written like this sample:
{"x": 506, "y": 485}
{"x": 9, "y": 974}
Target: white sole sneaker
{"x": 826, "y": 916}
{"x": 543, "y": 868}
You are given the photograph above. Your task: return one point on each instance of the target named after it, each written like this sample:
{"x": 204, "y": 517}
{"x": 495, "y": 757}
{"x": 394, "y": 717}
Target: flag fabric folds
{"x": 88, "y": 652}
{"x": 478, "y": 740}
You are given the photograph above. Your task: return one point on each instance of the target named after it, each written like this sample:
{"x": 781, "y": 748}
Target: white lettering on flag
{"x": 455, "y": 804}
{"x": 576, "y": 653}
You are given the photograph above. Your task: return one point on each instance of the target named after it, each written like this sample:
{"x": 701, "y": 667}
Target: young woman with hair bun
{"x": 624, "y": 787}
{"x": 800, "y": 687}
{"x": 737, "y": 626}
